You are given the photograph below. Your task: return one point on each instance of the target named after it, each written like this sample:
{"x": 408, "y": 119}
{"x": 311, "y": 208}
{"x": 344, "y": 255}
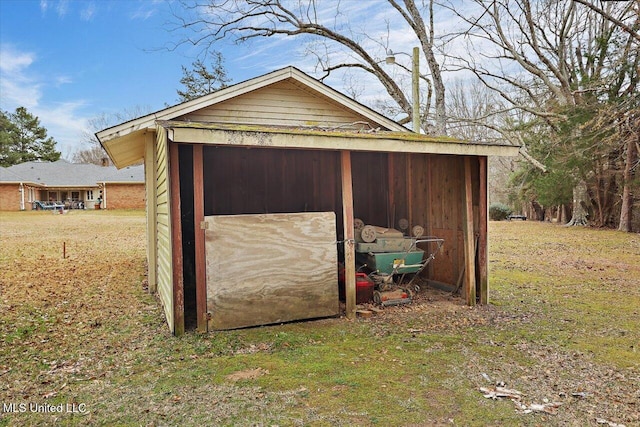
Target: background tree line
{"x": 558, "y": 78}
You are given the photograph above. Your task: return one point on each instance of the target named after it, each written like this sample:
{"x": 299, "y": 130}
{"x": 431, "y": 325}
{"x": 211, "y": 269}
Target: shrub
{"x": 499, "y": 212}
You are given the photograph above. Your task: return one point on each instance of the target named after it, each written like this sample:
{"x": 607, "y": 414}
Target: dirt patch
{"x": 247, "y": 374}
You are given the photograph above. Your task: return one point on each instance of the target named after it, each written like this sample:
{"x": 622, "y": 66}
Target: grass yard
{"x": 81, "y": 334}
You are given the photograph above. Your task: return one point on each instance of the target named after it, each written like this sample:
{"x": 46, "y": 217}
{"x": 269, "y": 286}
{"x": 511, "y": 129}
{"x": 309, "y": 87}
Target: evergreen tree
{"x": 22, "y": 139}
{"x": 201, "y": 81}
{"x": 7, "y": 135}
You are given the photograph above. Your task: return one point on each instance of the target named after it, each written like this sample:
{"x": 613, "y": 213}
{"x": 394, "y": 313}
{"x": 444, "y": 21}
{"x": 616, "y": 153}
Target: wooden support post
{"x": 198, "y": 216}
{"x": 483, "y": 258}
{"x": 349, "y": 238}
{"x": 176, "y": 240}
{"x": 409, "y": 189}
{"x": 469, "y": 238}
{"x": 429, "y": 207}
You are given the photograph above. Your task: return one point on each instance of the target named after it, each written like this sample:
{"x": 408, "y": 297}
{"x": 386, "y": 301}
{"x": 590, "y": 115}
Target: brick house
{"x": 61, "y": 184}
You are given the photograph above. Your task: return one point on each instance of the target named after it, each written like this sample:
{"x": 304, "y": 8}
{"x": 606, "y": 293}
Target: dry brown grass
{"x": 81, "y": 329}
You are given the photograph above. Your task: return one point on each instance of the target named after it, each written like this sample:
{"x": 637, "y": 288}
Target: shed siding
{"x": 259, "y": 181}
{"x": 279, "y": 104}
{"x": 163, "y": 226}
{"x": 150, "y": 188}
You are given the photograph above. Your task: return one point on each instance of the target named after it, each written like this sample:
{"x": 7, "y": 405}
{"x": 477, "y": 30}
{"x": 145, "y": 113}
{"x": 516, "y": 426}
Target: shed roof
{"x": 328, "y": 139}
{"x": 62, "y": 173}
{"x": 125, "y": 142}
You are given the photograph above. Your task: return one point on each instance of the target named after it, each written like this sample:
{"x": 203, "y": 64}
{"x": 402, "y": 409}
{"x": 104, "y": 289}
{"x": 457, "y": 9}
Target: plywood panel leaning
{"x": 270, "y": 268}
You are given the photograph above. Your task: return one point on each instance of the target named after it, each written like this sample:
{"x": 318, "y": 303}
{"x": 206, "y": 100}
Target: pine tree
{"x": 23, "y": 139}
{"x": 200, "y": 80}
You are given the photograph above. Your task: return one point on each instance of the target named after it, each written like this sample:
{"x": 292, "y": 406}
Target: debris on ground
{"x": 515, "y": 396}
{"x": 602, "y": 421}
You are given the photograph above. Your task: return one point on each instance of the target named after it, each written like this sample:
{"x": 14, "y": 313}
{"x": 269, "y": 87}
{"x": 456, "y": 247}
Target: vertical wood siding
{"x": 257, "y": 181}
{"x": 425, "y": 189}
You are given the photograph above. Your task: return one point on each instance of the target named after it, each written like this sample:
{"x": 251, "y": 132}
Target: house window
{"x": 89, "y": 194}
{"x": 75, "y": 196}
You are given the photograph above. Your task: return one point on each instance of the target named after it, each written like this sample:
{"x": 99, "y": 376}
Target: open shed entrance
{"x": 424, "y": 189}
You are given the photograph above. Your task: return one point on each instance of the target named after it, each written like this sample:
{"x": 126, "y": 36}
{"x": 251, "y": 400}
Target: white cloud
{"x": 64, "y": 123}
{"x": 20, "y": 86}
{"x": 62, "y": 8}
{"x": 16, "y": 85}
{"x": 88, "y": 12}
{"x": 62, "y": 80}
{"x": 143, "y": 12}
{"x": 13, "y": 61}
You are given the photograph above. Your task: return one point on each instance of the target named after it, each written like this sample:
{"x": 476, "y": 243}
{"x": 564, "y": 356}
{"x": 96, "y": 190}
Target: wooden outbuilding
{"x": 252, "y": 193}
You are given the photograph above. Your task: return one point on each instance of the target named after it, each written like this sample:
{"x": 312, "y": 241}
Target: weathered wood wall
{"x": 444, "y": 210}
{"x": 426, "y": 189}
{"x": 254, "y": 181}
{"x": 264, "y": 269}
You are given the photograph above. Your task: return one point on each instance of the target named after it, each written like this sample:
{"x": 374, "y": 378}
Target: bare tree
{"x": 209, "y": 21}
{"x": 552, "y": 59}
{"x": 95, "y": 153}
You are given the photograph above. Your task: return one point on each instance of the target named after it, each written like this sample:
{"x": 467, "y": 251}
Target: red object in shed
{"x": 364, "y": 287}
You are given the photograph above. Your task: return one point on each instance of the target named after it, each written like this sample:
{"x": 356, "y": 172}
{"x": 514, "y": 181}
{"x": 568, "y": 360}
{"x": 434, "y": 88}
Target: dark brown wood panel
{"x": 254, "y": 181}
{"x": 399, "y": 208}
{"x": 370, "y": 187}
{"x": 446, "y": 179}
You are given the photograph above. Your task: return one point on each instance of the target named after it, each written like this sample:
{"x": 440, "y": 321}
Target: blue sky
{"x": 68, "y": 61}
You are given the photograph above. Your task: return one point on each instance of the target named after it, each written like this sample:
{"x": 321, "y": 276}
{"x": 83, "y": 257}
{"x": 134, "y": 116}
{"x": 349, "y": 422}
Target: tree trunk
{"x": 580, "y": 201}
{"x": 564, "y": 215}
{"x": 627, "y": 195}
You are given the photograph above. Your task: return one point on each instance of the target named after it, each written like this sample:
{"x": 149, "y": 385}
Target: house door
{"x": 270, "y": 268}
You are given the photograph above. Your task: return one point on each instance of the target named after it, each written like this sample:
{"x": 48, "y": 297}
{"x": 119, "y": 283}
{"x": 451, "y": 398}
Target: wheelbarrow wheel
{"x": 377, "y": 298}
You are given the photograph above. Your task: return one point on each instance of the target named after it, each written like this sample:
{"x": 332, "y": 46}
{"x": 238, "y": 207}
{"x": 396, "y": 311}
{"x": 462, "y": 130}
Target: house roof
{"x": 7, "y": 176}
{"x": 62, "y": 173}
